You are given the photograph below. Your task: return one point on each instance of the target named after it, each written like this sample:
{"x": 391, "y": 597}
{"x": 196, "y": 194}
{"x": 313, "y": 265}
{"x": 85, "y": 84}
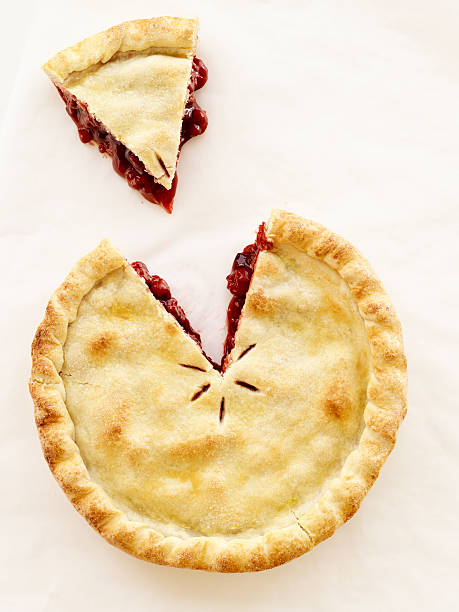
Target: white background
{"x": 346, "y": 112}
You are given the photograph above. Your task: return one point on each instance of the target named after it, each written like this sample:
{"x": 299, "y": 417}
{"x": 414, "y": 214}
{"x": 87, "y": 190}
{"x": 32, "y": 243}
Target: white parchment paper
{"x": 345, "y": 112}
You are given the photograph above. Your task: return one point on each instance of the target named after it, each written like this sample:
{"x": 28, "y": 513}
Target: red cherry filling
{"x": 194, "y": 118}
{"x": 238, "y": 282}
{"x": 125, "y": 163}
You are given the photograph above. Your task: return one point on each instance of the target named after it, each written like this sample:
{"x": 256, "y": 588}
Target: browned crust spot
{"x": 101, "y": 344}
{"x": 337, "y": 403}
{"x": 203, "y": 446}
{"x": 257, "y": 301}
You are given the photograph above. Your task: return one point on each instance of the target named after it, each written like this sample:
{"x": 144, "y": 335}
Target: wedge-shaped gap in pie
{"x": 238, "y": 282}
{"x": 161, "y": 477}
{"x": 131, "y": 91}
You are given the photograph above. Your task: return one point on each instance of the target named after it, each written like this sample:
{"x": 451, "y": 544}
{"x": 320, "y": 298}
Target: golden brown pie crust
{"x": 331, "y": 370}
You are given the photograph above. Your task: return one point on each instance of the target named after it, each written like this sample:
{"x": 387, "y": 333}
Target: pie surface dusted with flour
{"x": 241, "y": 467}
{"x": 131, "y": 90}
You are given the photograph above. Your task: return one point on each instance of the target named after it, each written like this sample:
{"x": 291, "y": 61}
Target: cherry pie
{"x": 131, "y": 90}
{"x": 242, "y": 467}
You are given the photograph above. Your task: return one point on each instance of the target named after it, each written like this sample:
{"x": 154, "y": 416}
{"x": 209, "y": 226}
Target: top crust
{"x": 175, "y": 35}
{"x": 337, "y": 501}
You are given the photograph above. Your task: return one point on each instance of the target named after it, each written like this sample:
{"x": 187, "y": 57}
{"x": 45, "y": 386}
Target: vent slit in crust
{"x": 249, "y": 348}
{"x": 192, "y": 367}
{"x": 238, "y": 283}
{"x": 246, "y": 385}
{"x": 162, "y": 164}
{"x": 200, "y": 391}
{"x": 222, "y": 410}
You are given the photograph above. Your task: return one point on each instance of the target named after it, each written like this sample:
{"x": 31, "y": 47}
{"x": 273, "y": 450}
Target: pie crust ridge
{"x": 383, "y": 414}
{"x": 174, "y": 34}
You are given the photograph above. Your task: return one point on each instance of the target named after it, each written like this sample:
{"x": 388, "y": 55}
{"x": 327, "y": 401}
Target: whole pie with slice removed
{"x": 131, "y": 90}
{"x": 241, "y": 467}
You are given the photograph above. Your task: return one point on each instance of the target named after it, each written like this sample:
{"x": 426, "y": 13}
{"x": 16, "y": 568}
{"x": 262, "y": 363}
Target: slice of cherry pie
{"x": 131, "y": 91}
{"x": 234, "y": 468}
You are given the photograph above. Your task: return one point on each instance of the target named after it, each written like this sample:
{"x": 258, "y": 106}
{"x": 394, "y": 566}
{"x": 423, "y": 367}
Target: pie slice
{"x": 131, "y": 90}
{"x": 230, "y": 469}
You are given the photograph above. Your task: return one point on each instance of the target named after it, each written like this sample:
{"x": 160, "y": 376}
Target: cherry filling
{"x": 194, "y": 118}
{"x": 125, "y": 163}
{"x": 238, "y": 282}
